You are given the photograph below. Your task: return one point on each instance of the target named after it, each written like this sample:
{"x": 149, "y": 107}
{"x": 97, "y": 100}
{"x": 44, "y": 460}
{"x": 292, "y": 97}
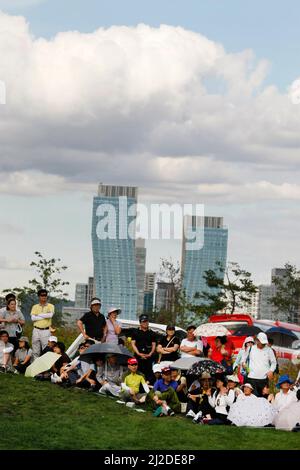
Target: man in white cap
{"x": 261, "y": 364}
{"x": 93, "y": 324}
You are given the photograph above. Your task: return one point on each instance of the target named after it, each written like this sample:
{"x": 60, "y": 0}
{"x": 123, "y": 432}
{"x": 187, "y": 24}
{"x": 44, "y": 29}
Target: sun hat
{"x": 233, "y": 378}
{"x": 205, "y": 375}
{"x": 262, "y": 337}
{"x": 96, "y": 301}
{"x": 247, "y": 385}
{"x": 132, "y": 361}
{"x": 249, "y": 339}
{"x": 282, "y": 379}
{"x": 24, "y": 338}
{"x": 52, "y": 339}
{"x": 114, "y": 309}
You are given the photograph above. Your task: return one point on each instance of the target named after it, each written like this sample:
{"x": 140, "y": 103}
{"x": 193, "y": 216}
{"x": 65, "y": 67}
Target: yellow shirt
{"x": 37, "y": 310}
{"x": 133, "y": 381}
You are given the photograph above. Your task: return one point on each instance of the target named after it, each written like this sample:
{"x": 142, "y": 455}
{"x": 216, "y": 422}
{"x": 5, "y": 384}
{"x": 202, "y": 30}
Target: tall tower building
{"x": 113, "y": 231}
{"x": 140, "y": 261}
{"x": 81, "y": 291}
{"x": 149, "y": 292}
{"x": 195, "y": 262}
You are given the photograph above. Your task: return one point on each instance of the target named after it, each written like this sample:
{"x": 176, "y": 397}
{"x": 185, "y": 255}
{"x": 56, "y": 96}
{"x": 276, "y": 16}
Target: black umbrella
{"x": 247, "y": 331}
{"x": 99, "y": 351}
{"x": 206, "y": 365}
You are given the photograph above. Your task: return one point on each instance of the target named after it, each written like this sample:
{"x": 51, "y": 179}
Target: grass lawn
{"x": 39, "y": 415}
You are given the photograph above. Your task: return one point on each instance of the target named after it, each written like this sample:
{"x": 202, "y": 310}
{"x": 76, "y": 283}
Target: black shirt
{"x": 94, "y": 325}
{"x": 143, "y": 340}
{"x": 164, "y": 342}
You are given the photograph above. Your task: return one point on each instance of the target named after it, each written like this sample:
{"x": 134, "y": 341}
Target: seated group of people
{"x": 213, "y": 399}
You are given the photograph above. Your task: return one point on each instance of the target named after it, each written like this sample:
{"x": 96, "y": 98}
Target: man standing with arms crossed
{"x": 41, "y": 315}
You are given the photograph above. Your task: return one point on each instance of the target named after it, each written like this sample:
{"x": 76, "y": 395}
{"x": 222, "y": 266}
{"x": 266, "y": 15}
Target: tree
{"x": 230, "y": 288}
{"x": 48, "y": 277}
{"x": 287, "y": 297}
{"x": 178, "y": 312}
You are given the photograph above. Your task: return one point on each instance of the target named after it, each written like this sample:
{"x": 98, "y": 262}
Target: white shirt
{"x": 284, "y": 399}
{"x": 261, "y": 361}
{"x": 197, "y": 344}
{"x": 220, "y": 402}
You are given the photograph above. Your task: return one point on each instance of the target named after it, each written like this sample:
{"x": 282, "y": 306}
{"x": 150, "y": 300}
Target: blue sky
{"x": 269, "y": 27}
{"x": 196, "y": 119}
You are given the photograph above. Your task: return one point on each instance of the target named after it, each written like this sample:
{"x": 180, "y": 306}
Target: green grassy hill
{"x": 39, "y": 415}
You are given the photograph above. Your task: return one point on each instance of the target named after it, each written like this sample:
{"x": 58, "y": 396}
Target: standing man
{"x": 191, "y": 346}
{"x": 144, "y": 344}
{"x": 261, "y": 364}
{"x": 41, "y": 315}
{"x": 92, "y": 324}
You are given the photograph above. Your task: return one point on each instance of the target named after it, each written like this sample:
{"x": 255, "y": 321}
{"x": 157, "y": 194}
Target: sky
{"x": 193, "y": 102}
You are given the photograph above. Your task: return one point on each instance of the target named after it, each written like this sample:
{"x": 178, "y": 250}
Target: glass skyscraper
{"x": 195, "y": 262}
{"x": 114, "y": 255}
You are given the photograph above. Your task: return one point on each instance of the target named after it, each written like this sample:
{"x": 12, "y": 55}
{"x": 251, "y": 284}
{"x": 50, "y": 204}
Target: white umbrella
{"x": 185, "y": 363}
{"x": 211, "y": 329}
{"x": 288, "y": 417}
{"x": 41, "y": 364}
{"x": 251, "y": 411}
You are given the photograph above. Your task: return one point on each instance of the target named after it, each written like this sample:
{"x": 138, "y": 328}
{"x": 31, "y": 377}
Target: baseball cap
{"x": 262, "y": 337}
{"x": 53, "y": 339}
{"x": 156, "y": 368}
{"x": 132, "y": 361}
{"x": 143, "y": 317}
{"x": 96, "y": 302}
{"x": 166, "y": 370}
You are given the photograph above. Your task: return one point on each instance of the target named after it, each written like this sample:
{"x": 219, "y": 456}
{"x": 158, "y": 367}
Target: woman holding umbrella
{"x": 220, "y": 400}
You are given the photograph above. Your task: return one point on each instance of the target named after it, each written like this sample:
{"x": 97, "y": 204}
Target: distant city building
{"x": 165, "y": 296}
{"x": 196, "y": 262}
{"x": 265, "y": 309}
{"x": 149, "y": 288}
{"x": 81, "y": 295}
{"x": 140, "y": 263}
{"x": 72, "y": 314}
{"x": 149, "y": 285}
{"x": 90, "y": 290}
{"x": 114, "y": 256}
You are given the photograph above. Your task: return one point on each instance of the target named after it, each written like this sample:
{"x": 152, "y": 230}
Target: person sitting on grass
{"x": 110, "y": 381}
{"x": 58, "y": 367}
{"x": 181, "y": 382}
{"x": 163, "y": 398}
{"x": 132, "y": 381}
{"x": 80, "y": 373}
{"x": 23, "y": 356}
{"x": 221, "y": 401}
{"x": 233, "y": 384}
{"x": 52, "y": 341}
{"x": 198, "y": 406}
{"x": 267, "y": 395}
{"x": 285, "y": 396}
{"x": 6, "y": 349}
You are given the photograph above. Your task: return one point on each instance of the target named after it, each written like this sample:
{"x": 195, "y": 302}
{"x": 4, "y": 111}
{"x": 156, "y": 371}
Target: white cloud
{"x": 135, "y": 105}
